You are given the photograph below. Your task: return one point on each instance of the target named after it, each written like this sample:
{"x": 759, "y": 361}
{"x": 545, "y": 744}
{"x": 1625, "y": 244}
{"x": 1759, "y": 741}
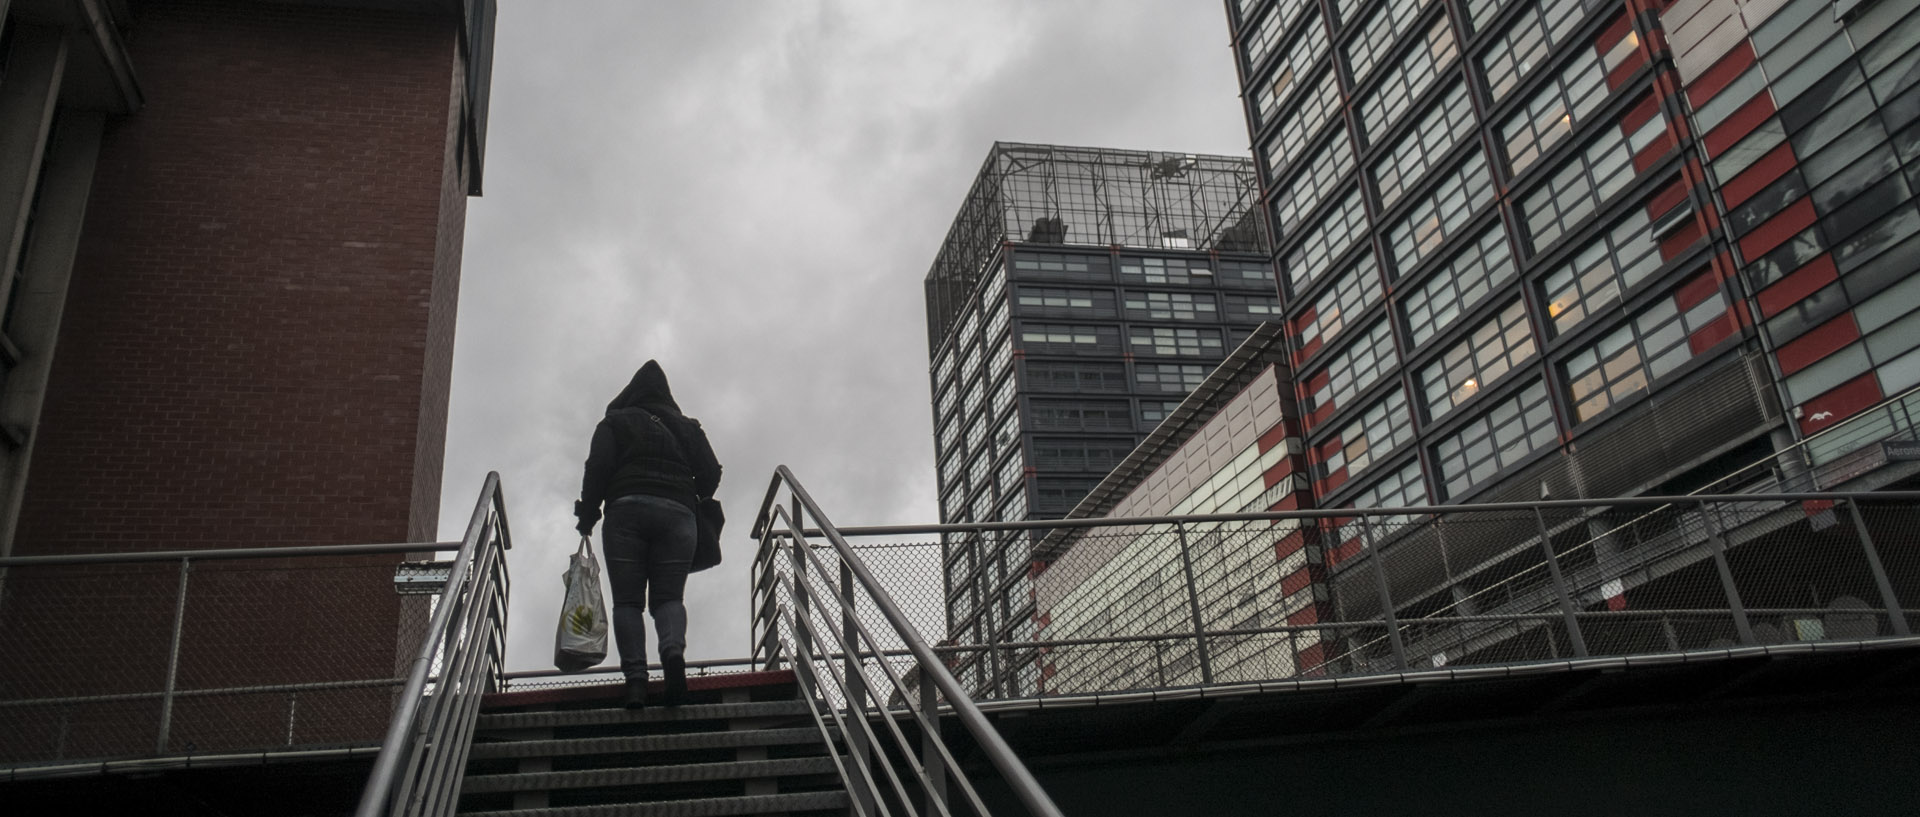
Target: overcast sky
{"x": 751, "y": 193}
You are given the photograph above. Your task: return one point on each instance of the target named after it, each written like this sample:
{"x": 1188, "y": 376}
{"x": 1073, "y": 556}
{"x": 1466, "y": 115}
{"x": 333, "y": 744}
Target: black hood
{"x": 647, "y": 388}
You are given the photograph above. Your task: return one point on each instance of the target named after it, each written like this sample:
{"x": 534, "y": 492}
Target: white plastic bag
{"x": 580, "y": 642}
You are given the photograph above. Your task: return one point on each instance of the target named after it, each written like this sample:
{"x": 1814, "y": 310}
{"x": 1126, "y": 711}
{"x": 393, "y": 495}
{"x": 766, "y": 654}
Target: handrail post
{"x": 1387, "y": 613}
{"x": 173, "y": 657}
{"x": 930, "y": 745}
{"x": 1718, "y": 546}
{"x": 856, "y": 686}
{"x": 1560, "y": 591}
{"x": 1193, "y": 603}
{"x": 1896, "y": 615}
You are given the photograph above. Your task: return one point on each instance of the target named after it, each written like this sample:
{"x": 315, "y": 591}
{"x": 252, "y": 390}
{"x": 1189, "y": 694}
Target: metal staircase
{"x": 741, "y": 750}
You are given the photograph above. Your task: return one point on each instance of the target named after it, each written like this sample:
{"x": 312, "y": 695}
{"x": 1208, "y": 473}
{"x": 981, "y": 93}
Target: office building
{"x": 1079, "y": 296}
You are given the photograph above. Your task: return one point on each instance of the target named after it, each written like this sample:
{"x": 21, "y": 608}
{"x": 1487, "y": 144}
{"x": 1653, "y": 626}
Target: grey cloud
{"x": 751, "y": 193}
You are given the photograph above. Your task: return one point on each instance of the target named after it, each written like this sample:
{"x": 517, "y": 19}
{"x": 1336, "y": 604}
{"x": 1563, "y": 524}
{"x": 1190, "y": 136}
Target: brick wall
{"x": 258, "y": 338}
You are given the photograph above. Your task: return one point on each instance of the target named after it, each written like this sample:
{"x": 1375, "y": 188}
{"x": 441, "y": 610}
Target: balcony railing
{"x": 203, "y": 657}
{"x": 1149, "y": 604}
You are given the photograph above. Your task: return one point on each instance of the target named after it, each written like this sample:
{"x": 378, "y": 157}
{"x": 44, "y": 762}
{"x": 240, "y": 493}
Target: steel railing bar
{"x": 1018, "y": 777}
{"x": 211, "y": 554}
{"x": 900, "y": 738}
{"x": 816, "y": 695}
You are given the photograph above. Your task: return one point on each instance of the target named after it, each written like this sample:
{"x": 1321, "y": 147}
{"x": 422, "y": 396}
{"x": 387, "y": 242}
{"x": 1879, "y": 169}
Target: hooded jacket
{"x": 644, "y": 445}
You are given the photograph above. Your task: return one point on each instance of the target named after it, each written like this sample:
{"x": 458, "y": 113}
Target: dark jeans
{"x": 648, "y": 542}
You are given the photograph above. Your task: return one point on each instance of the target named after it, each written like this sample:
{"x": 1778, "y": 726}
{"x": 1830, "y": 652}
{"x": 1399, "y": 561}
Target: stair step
{"x": 643, "y": 743}
{"x": 646, "y": 775}
{"x": 611, "y": 715}
{"x": 705, "y": 807}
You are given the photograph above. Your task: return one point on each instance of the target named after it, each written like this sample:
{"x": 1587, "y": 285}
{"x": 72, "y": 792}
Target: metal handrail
{"x": 423, "y": 757}
{"x": 936, "y": 760}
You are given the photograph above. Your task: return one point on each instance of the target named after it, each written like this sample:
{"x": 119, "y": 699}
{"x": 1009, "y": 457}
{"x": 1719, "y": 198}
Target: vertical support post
{"x": 853, "y": 669}
{"x": 930, "y": 760}
{"x": 1896, "y": 615}
{"x": 173, "y": 658}
{"x": 1386, "y": 595}
{"x": 1193, "y": 602}
{"x": 1560, "y": 590}
{"x": 802, "y": 605}
{"x": 994, "y": 613}
{"x": 293, "y": 704}
{"x": 1718, "y": 545}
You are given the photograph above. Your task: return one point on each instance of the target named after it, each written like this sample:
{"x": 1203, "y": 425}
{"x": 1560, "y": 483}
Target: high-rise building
{"x": 1079, "y": 296}
{"x": 1583, "y": 247}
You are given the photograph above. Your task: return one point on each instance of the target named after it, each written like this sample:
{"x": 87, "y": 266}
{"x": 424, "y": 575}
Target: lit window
{"x": 1474, "y": 362}
{"x": 1354, "y": 368}
{"x": 1552, "y": 112}
{"x": 1377, "y": 432}
{"x": 1626, "y": 360}
{"x": 1596, "y": 274}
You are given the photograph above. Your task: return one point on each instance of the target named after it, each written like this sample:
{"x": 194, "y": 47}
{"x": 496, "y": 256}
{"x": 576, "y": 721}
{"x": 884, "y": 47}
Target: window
{"x": 1089, "y": 415}
{"x": 1278, "y": 85}
{"x": 1435, "y": 218}
{"x": 1494, "y": 348}
{"x": 1178, "y": 378}
{"x": 1002, "y": 359}
{"x": 1304, "y": 192}
{"x": 1624, "y": 361}
{"x": 1069, "y": 302}
{"x": 1015, "y": 508}
{"x": 1356, "y": 367}
{"x": 1497, "y": 439}
{"x": 1263, "y": 36}
{"x": 1003, "y": 396}
{"x": 1176, "y": 306}
{"x": 1337, "y": 231}
{"x": 1063, "y": 338}
{"x": 1383, "y": 427}
{"x": 997, "y": 322}
{"x": 968, "y": 328}
{"x": 1247, "y": 275}
{"x": 951, "y": 464}
{"x": 971, "y": 365}
{"x": 1466, "y": 280}
{"x": 1379, "y": 34}
{"x": 977, "y": 471}
{"x": 1298, "y": 126}
{"x": 1154, "y": 411}
{"x": 1071, "y": 376}
{"x": 1480, "y": 13}
{"x": 1059, "y": 495}
{"x": 1526, "y": 44}
{"x": 1165, "y": 270}
{"x": 948, "y": 397}
{"x": 975, "y": 391}
{"x": 1006, "y": 435}
{"x": 1163, "y": 340}
{"x": 977, "y": 434}
{"x": 1443, "y": 125}
{"x": 949, "y": 434}
{"x": 1080, "y": 455}
{"x": 1401, "y": 489}
{"x": 1064, "y": 266}
{"x": 944, "y": 368}
{"x": 1575, "y": 190}
{"x": 1409, "y": 79}
{"x": 1596, "y": 275}
{"x": 1340, "y": 304}
{"x": 1551, "y": 113}
{"x": 1252, "y": 308}
{"x": 1011, "y": 476}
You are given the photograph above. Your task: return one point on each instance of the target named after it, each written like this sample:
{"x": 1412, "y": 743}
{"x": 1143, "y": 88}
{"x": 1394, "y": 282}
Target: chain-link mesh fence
{"x": 1021, "y": 613}
{"x": 201, "y": 656}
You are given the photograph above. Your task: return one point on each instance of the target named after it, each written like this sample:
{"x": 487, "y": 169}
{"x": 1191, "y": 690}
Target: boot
{"x": 676, "y": 671}
{"x": 636, "y": 696}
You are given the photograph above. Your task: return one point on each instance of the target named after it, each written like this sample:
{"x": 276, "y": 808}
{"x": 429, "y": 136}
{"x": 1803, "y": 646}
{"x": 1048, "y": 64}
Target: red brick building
{"x": 232, "y": 236}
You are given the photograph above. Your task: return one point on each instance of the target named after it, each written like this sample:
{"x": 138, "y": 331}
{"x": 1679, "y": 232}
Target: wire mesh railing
{"x": 149, "y": 655}
{"x": 1125, "y": 605}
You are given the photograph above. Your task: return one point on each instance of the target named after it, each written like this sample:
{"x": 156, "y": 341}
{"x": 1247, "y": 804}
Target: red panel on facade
{"x": 1737, "y": 126}
{"x": 1280, "y": 471}
{"x": 1331, "y": 483}
{"x": 1663, "y": 201}
{"x": 1712, "y": 334}
{"x": 1272, "y": 436}
{"x": 1625, "y": 70}
{"x": 1728, "y": 69}
{"x": 1289, "y": 544}
{"x": 1841, "y": 402}
{"x": 1681, "y": 240}
{"x": 1698, "y": 289}
{"x": 1300, "y": 356}
{"x": 1756, "y": 178}
{"x": 1817, "y": 343}
{"x": 1307, "y": 615}
{"x": 1799, "y": 284}
{"x": 1345, "y": 551}
{"x": 1296, "y": 581}
{"x": 1646, "y": 109}
{"x": 1311, "y": 659}
{"x": 1787, "y": 224}
{"x": 1290, "y": 502}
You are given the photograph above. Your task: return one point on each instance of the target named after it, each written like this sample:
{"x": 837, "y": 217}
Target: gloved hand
{"x": 588, "y": 514}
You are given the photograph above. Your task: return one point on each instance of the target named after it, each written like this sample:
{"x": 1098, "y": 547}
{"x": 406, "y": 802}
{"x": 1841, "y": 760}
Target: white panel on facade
{"x": 1695, "y": 62}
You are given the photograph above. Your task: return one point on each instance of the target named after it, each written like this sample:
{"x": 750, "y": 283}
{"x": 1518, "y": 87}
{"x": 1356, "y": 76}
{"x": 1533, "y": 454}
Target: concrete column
{"x": 28, "y": 94}
{"x": 35, "y": 323}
